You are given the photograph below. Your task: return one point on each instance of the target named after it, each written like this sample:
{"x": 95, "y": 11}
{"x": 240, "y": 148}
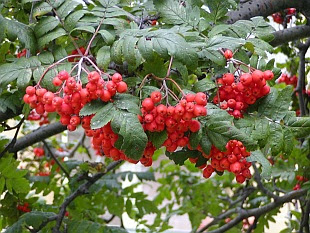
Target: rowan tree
{"x": 190, "y": 85}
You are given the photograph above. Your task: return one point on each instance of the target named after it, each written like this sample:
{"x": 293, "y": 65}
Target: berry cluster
{"x": 288, "y": 80}
{"x": 38, "y": 151}
{"x": 74, "y": 96}
{"x": 176, "y": 120}
{"x": 42, "y": 118}
{"x": 24, "y": 208}
{"x": 300, "y": 180}
{"x": 75, "y": 52}
{"x": 237, "y": 93}
{"x": 232, "y": 160}
{"x": 279, "y": 17}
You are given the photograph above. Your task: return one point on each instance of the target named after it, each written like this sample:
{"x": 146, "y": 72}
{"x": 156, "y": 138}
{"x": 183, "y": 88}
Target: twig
{"x": 109, "y": 219}
{"x": 56, "y": 160}
{"x": 260, "y": 185}
{"x": 302, "y": 76}
{"x": 169, "y": 67}
{"x": 82, "y": 189}
{"x": 63, "y": 25}
{"x": 260, "y": 210}
{"x": 94, "y": 35}
{"x": 304, "y": 223}
{"x": 13, "y": 141}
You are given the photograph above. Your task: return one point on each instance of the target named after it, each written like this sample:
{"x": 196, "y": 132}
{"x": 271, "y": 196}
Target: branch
{"x": 290, "y": 34}
{"x": 56, "y": 160}
{"x": 37, "y": 136}
{"x": 305, "y": 218}
{"x": 303, "y": 48}
{"x": 264, "y": 8}
{"x": 82, "y": 189}
{"x": 257, "y": 212}
{"x": 260, "y": 185}
{"x": 13, "y": 141}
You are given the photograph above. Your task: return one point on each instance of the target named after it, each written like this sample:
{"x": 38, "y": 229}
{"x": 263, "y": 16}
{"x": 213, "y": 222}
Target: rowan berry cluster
{"x": 287, "y": 14}
{"x": 232, "y": 160}
{"x": 42, "y": 118}
{"x": 300, "y": 179}
{"x": 38, "y": 151}
{"x": 24, "y": 208}
{"x": 176, "y": 120}
{"x": 288, "y": 80}
{"x": 74, "y": 96}
{"x": 236, "y": 93}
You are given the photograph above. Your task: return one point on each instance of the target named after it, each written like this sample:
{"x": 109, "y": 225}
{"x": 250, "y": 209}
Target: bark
{"x": 265, "y": 8}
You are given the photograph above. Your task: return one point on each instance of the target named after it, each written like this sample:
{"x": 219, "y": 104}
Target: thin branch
{"x": 304, "y": 223}
{"x": 13, "y": 141}
{"x": 109, "y": 219}
{"x": 303, "y": 48}
{"x": 260, "y": 185}
{"x": 63, "y": 25}
{"x": 37, "y": 136}
{"x": 56, "y": 160}
{"x": 256, "y": 212}
{"x": 82, "y": 189}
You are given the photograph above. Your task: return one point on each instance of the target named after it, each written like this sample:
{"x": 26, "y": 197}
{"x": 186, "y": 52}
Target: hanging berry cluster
{"x": 288, "y": 80}
{"x": 24, "y": 208}
{"x": 70, "y": 99}
{"x": 285, "y": 16}
{"x": 240, "y": 89}
{"x": 42, "y": 118}
{"x": 232, "y": 160}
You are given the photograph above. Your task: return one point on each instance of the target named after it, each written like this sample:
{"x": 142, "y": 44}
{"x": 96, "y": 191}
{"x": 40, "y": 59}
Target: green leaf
{"x": 41, "y": 9}
{"x": 300, "y": 126}
{"x": 219, "y": 42}
{"x": 288, "y": 141}
{"x": 127, "y": 102}
{"x": 2, "y": 183}
{"x": 180, "y": 156}
{"x": 66, "y": 8}
{"x": 194, "y": 139}
{"x": 103, "y": 57}
{"x": 45, "y": 25}
{"x": 172, "y": 12}
{"x": 108, "y": 3}
{"x": 103, "y": 116}
{"x": 58, "y": 32}
{"x": 276, "y": 138}
{"x": 11, "y": 71}
{"x": 23, "y": 32}
{"x": 89, "y": 29}
{"x": 258, "y": 156}
{"x": 20, "y": 185}
{"x": 205, "y": 144}
{"x": 134, "y": 139}
{"x": 46, "y": 57}
{"x": 72, "y": 19}
{"x": 158, "y": 138}
{"x": 92, "y": 108}
{"x": 204, "y": 85}
{"x": 261, "y": 131}
{"x": 107, "y": 36}
{"x": 276, "y": 104}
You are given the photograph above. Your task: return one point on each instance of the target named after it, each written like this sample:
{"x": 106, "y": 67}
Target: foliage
{"x": 163, "y": 45}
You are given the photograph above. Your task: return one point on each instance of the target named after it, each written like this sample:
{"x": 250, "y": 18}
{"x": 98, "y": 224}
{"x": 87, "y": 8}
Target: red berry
{"x": 235, "y": 167}
{"x": 63, "y": 75}
{"x": 117, "y": 78}
{"x": 240, "y": 179}
{"x": 156, "y": 96}
{"x": 121, "y": 87}
{"x": 228, "y": 54}
{"x": 57, "y": 82}
{"x": 228, "y": 79}
{"x": 194, "y": 126}
{"x": 201, "y": 98}
{"x": 30, "y": 90}
{"x": 268, "y": 75}
{"x": 148, "y": 104}
{"x": 93, "y": 77}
